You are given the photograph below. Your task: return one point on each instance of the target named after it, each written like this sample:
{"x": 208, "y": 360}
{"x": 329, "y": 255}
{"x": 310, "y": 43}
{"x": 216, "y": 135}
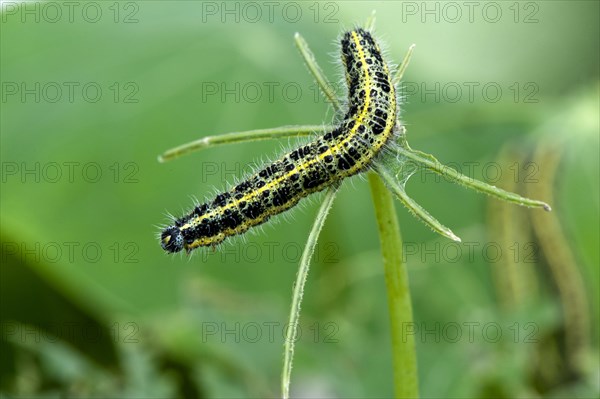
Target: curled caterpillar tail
{"x": 347, "y": 150}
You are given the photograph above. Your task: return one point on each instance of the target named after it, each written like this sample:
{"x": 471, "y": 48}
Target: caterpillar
{"x": 349, "y": 149}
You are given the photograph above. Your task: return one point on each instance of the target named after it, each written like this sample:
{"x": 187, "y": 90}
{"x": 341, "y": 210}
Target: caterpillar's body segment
{"x": 365, "y": 129}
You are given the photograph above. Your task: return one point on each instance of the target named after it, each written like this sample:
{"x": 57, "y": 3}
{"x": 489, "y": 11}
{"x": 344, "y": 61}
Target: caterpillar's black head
{"x": 171, "y": 239}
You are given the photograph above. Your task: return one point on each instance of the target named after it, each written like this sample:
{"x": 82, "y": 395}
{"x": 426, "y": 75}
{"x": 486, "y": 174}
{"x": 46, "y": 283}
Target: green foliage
{"x": 181, "y": 309}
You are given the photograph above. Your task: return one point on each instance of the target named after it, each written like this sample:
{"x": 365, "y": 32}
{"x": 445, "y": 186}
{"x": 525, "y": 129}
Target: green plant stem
{"x": 292, "y": 326}
{"x": 561, "y": 260}
{"x": 238, "y": 137}
{"x": 403, "y": 350}
{"x": 404, "y": 356}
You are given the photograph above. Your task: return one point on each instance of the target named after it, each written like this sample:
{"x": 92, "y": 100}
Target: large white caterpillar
{"x": 364, "y": 130}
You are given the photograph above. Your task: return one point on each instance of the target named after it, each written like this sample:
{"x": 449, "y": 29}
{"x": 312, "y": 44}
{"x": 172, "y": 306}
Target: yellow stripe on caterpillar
{"x": 349, "y": 149}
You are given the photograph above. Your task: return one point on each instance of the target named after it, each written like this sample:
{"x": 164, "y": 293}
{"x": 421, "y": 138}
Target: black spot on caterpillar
{"x": 349, "y": 149}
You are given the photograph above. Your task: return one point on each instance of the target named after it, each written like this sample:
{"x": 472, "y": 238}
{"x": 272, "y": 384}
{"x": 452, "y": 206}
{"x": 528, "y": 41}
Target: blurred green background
{"x": 91, "y": 306}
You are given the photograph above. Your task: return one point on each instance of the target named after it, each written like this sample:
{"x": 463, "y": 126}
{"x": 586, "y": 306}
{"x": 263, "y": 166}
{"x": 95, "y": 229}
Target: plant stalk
{"x": 404, "y": 358}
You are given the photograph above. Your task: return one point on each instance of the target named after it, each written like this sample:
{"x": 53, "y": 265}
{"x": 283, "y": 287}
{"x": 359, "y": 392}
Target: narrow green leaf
{"x": 317, "y": 72}
{"x": 417, "y": 210}
{"x": 430, "y": 162}
{"x": 292, "y": 326}
{"x": 240, "y": 137}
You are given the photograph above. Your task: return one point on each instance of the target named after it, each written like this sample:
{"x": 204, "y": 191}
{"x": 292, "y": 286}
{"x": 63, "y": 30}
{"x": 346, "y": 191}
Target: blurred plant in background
{"x": 126, "y": 321}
